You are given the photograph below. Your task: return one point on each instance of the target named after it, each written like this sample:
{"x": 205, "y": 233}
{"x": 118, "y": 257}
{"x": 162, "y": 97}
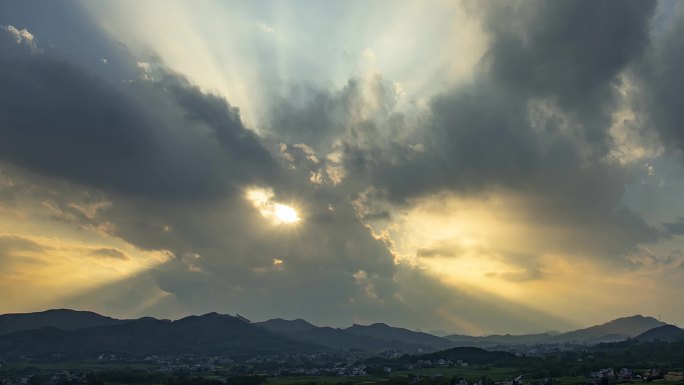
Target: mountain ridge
{"x": 612, "y": 331}
{"x": 72, "y": 330}
{"x": 628, "y": 327}
{"x": 66, "y": 319}
{"x": 283, "y": 325}
{"x": 210, "y": 333}
{"x": 667, "y": 333}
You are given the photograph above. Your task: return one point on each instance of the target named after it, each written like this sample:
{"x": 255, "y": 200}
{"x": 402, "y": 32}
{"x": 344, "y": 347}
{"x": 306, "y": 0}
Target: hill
{"x": 208, "y": 334}
{"x": 68, "y": 332}
{"x": 348, "y": 340}
{"x": 388, "y": 333}
{"x": 665, "y": 333}
{"x": 58, "y": 318}
{"x": 499, "y": 340}
{"x": 279, "y": 325}
{"x": 615, "y": 330}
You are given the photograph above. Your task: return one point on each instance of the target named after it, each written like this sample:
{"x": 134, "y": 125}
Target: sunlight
{"x": 285, "y": 213}
{"x": 280, "y": 213}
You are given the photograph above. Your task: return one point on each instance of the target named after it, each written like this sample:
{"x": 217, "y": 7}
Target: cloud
{"x": 20, "y": 36}
{"x": 162, "y": 139}
{"x": 433, "y": 213}
{"x": 540, "y": 101}
{"x": 441, "y": 249}
{"x": 39, "y": 271}
{"x": 537, "y": 48}
{"x": 518, "y": 275}
{"x": 675, "y": 228}
{"x": 534, "y": 123}
{"x": 11, "y": 244}
{"x": 659, "y": 82}
{"x": 110, "y": 253}
{"x": 166, "y": 166}
{"x": 316, "y": 117}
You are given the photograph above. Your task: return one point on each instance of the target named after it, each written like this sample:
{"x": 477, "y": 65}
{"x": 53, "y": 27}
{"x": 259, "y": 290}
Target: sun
{"x": 285, "y": 213}
{"x": 278, "y": 213}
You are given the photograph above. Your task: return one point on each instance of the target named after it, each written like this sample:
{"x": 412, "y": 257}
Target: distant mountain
{"x": 279, "y": 325}
{"x": 71, "y": 332}
{"x": 208, "y": 334}
{"x": 346, "y": 339}
{"x": 388, "y": 333}
{"x": 59, "y": 318}
{"x": 615, "y": 330}
{"x": 665, "y": 333}
{"x": 500, "y": 340}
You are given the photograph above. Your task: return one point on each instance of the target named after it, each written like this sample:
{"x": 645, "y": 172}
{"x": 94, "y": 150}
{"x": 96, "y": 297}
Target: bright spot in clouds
{"x": 280, "y": 213}
{"x": 285, "y": 213}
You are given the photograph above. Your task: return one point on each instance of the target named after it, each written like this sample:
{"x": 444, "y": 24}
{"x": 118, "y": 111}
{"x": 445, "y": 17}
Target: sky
{"x": 469, "y": 167}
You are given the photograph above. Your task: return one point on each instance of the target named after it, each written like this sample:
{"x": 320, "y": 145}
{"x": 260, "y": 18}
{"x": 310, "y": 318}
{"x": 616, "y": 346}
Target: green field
{"x": 77, "y": 365}
{"x": 468, "y": 373}
{"x": 569, "y": 380}
{"x": 323, "y": 380}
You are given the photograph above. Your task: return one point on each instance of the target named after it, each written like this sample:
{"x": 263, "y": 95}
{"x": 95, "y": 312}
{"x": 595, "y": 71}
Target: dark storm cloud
{"x": 66, "y": 29}
{"x": 569, "y": 52}
{"x": 567, "y": 55}
{"x": 164, "y": 138}
{"x": 141, "y": 147}
{"x": 661, "y": 83}
{"x": 244, "y": 151}
{"x": 474, "y": 137}
{"x": 534, "y": 120}
{"x": 675, "y": 228}
{"x": 565, "y": 50}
